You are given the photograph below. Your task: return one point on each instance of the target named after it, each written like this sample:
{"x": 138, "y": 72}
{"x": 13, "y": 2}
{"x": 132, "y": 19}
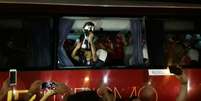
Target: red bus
{"x": 123, "y": 44}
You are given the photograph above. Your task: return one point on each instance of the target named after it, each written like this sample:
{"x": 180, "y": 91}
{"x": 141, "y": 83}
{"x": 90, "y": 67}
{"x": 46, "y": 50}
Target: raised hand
{"x": 61, "y": 88}
{"x": 35, "y": 86}
{"x": 91, "y": 36}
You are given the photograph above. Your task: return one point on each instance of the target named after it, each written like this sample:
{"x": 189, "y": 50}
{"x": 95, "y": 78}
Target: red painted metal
{"x": 124, "y": 82}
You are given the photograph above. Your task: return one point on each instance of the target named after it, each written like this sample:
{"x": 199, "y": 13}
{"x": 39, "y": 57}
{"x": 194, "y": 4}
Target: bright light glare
{"x": 14, "y": 92}
{"x": 105, "y": 79}
{"x": 188, "y": 86}
{"x": 86, "y": 79}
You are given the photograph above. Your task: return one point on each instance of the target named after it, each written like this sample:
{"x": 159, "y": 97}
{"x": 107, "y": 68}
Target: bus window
{"x": 25, "y": 42}
{"x": 87, "y": 42}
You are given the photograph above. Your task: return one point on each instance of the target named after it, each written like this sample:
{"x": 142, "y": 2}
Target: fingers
{"x": 59, "y": 84}
{"x": 182, "y": 78}
{"x": 91, "y": 35}
{"x": 38, "y": 82}
{"x": 6, "y": 82}
{"x": 35, "y": 86}
{"x": 5, "y": 85}
{"x": 61, "y": 88}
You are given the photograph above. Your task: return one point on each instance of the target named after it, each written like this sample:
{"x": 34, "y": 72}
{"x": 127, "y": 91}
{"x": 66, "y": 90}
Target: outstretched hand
{"x": 91, "y": 36}
{"x": 103, "y": 89}
{"x": 182, "y": 78}
{"x": 106, "y": 92}
{"x": 35, "y": 86}
{"x": 5, "y": 86}
{"x": 61, "y": 88}
{"x": 182, "y": 96}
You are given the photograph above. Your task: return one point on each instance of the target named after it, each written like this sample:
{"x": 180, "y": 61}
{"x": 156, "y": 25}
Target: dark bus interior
{"x": 30, "y": 32}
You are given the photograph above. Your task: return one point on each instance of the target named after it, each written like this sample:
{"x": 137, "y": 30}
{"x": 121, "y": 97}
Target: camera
{"x": 88, "y": 27}
{"x": 48, "y": 85}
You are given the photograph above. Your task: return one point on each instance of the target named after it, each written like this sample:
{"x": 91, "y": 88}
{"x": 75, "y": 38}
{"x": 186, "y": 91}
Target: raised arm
{"x": 93, "y": 49}
{"x": 61, "y": 88}
{"x": 107, "y": 94}
{"x": 4, "y": 89}
{"x": 34, "y": 88}
{"x": 182, "y": 96}
{"x": 47, "y": 95}
{"x": 73, "y": 54}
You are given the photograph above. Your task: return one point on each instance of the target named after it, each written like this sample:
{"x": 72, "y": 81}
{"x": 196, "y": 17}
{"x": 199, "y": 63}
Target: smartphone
{"x": 12, "y": 77}
{"x": 48, "y": 85}
{"x": 175, "y": 70}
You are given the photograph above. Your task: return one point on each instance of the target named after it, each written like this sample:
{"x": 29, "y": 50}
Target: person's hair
{"x": 89, "y": 27}
{"x": 84, "y": 96}
{"x": 89, "y": 24}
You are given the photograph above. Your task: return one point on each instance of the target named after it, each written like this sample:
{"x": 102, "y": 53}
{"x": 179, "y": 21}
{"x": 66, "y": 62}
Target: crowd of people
{"x": 115, "y": 45}
{"x": 183, "y": 49}
{"x": 102, "y": 94}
